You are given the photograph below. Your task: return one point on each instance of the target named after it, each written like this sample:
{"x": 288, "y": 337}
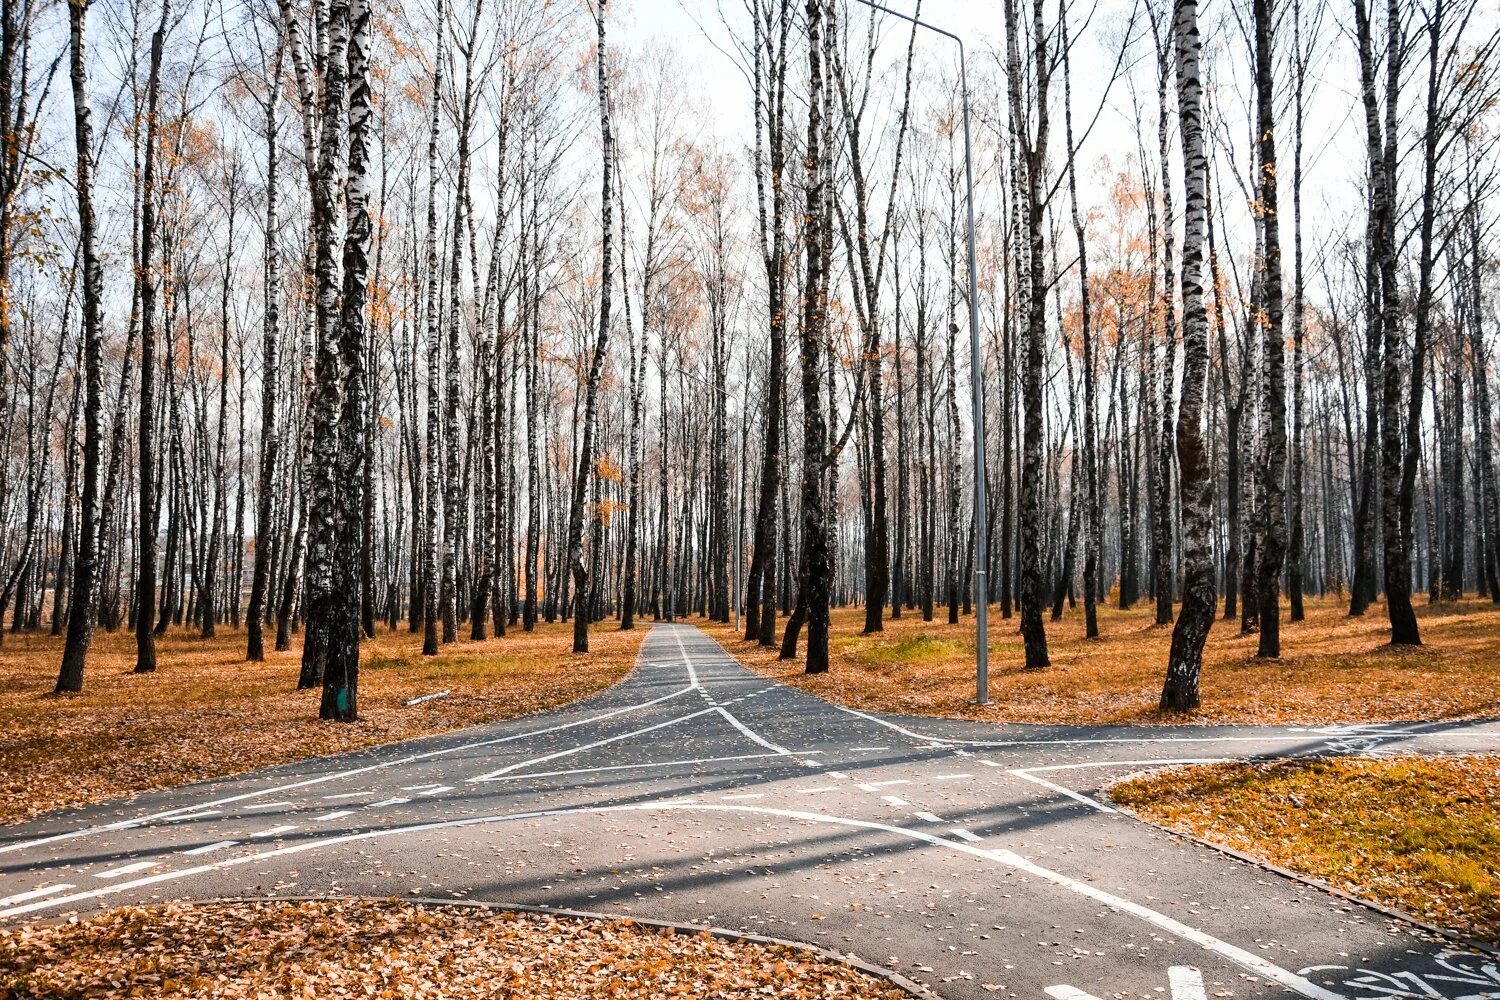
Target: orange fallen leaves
{"x": 1333, "y": 668}
{"x": 207, "y": 713}
{"x": 392, "y": 949}
{"x": 1419, "y": 834}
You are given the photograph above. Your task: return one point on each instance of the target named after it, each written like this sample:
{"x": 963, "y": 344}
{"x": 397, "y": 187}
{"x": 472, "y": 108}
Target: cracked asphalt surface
{"x": 976, "y": 859}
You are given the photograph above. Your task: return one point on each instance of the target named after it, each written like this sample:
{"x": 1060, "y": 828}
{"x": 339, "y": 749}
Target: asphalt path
{"x": 979, "y": 860}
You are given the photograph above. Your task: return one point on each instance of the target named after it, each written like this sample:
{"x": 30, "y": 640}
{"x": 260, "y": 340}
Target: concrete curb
{"x": 895, "y": 979}
{"x": 1307, "y": 880}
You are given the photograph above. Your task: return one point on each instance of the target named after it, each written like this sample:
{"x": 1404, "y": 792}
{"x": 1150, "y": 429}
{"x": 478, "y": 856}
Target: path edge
{"x": 895, "y": 979}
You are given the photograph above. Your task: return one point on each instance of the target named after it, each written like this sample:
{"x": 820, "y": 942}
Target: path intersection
{"x": 976, "y": 859}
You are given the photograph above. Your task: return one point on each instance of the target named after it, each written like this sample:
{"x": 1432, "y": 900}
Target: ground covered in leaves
{"x": 1333, "y": 668}
{"x": 1418, "y": 834}
{"x": 206, "y": 712}
{"x": 392, "y": 949}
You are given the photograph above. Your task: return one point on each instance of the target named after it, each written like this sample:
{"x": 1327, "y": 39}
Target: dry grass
{"x": 206, "y": 712}
{"x": 1419, "y": 834}
{"x": 1333, "y": 668}
{"x": 272, "y": 951}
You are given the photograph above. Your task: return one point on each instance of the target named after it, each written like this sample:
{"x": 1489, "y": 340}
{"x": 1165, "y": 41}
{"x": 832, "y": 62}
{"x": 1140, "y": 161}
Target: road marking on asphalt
{"x": 420, "y": 788}
{"x": 346, "y": 795}
{"x": 747, "y": 795}
{"x": 46, "y": 890}
{"x": 815, "y": 791}
{"x": 963, "y": 834}
{"x": 266, "y": 805}
{"x": 752, "y": 735}
{"x": 636, "y": 767}
{"x": 951, "y": 777}
{"x": 492, "y": 775}
{"x": 201, "y": 814}
{"x": 1029, "y": 774}
{"x": 1067, "y": 792}
{"x": 896, "y": 800}
{"x": 435, "y": 790}
{"x": 210, "y": 848}
{"x": 871, "y": 786}
{"x": 395, "y": 800}
{"x": 336, "y": 814}
{"x": 1249, "y": 961}
{"x": 130, "y": 869}
{"x": 321, "y": 779}
{"x": 275, "y": 831}
{"x": 928, "y": 817}
{"x": 866, "y": 749}
{"x": 1186, "y": 983}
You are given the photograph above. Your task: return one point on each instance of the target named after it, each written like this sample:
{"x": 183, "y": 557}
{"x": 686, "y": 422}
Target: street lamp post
{"x": 981, "y": 541}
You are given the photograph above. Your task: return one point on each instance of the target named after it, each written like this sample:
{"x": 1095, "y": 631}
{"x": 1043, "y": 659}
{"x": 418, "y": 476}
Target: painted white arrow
{"x": 1186, "y": 983}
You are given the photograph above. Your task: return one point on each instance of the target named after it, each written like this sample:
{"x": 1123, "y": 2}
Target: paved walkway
{"x": 974, "y": 858}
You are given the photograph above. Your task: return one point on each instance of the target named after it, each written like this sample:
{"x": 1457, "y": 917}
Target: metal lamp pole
{"x": 981, "y": 541}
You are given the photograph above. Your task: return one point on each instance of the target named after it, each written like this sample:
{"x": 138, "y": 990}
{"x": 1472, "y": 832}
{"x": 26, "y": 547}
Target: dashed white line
{"x": 747, "y": 795}
{"x": 46, "y": 890}
{"x": 435, "y": 790}
{"x": 394, "y": 800}
{"x": 336, "y": 814}
{"x": 210, "y": 848}
{"x": 130, "y": 869}
{"x": 185, "y": 817}
{"x": 871, "y": 786}
{"x": 928, "y": 817}
{"x": 896, "y": 800}
{"x": 815, "y": 791}
{"x": 951, "y": 777}
{"x": 274, "y": 831}
{"x": 963, "y": 834}
{"x": 346, "y": 795}
{"x": 266, "y": 805}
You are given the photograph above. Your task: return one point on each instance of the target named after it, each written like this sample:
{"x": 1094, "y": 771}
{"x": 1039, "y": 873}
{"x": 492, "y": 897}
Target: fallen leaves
{"x": 363, "y": 948}
{"x": 1333, "y": 668}
{"x": 207, "y": 713}
{"x": 1420, "y": 834}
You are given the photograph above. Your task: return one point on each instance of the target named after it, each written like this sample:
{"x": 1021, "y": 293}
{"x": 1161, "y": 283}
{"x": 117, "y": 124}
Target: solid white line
{"x": 1247, "y": 960}
{"x": 687, "y": 660}
{"x": 896, "y": 800}
{"x": 210, "y": 848}
{"x": 632, "y": 767}
{"x": 963, "y": 834}
{"x": 1062, "y": 992}
{"x": 928, "y": 817}
{"x": 46, "y": 890}
{"x": 131, "y": 869}
{"x": 1059, "y": 789}
{"x": 321, "y": 779}
{"x": 185, "y": 817}
{"x": 1187, "y": 983}
{"x": 752, "y": 735}
{"x": 492, "y": 775}
{"x": 336, "y": 814}
{"x": 274, "y": 831}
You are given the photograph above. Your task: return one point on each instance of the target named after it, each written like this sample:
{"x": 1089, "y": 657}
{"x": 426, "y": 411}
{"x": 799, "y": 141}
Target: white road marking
{"x": 1068, "y": 792}
{"x": 1187, "y": 983}
{"x": 266, "y": 805}
{"x": 927, "y": 817}
{"x": 336, "y": 814}
{"x": 435, "y": 790}
{"x": 420, "y": 788}
{"x": 866, "y": 749}
{"x": 753, "y": 736}
{"x": 324, "y": 778}
{"x": 210, "y": 848}
{"x": 963, "y": 834}
{"x": 951, "y": 777}
{"x": 492, "y": 775}
{"x": 871, "y": 786}
{"x": 1249, "y": 961}
{"x": 1061, "y": 992}
{"x": 46, "y": 890}
{"x": 185, "y": 817}
{"x": 346, "y": 795}
{"x": 896, "y": 800}
{"x": 393, "y": 801}
{"x": 815, "y": 791}
{"x": 274, "y": 831}
{"x": 748, "y": 795}
{"x": 635, "y": 767}
{"x": 130, "y": 869}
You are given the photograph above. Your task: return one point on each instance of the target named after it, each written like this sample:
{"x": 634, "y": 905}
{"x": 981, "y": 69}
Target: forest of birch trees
{"x": 323, "y": 317}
